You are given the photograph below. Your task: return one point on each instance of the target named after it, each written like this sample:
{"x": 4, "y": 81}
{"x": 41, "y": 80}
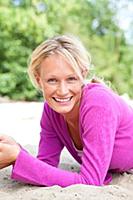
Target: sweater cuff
{"x": 22, "y": 161}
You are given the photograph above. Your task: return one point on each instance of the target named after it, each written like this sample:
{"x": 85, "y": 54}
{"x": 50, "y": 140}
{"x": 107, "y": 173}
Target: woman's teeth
{"x": 62, "y": 100}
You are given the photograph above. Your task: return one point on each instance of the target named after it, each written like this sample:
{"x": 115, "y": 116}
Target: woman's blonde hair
{"x": 67, "y": 46}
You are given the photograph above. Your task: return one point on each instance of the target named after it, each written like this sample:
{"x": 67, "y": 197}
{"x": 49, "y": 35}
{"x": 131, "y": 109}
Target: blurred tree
{"x": 32, "y": 21}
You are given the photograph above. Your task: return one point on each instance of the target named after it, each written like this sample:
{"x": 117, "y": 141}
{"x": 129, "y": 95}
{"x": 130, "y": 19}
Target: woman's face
{"x": 60, "y": 84}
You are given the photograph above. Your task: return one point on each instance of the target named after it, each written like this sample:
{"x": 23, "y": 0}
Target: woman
{"x": 92, "y": 121}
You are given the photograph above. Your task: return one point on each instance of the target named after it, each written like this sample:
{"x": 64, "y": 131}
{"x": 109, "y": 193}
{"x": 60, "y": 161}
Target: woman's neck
{"x": 72, "y": 118}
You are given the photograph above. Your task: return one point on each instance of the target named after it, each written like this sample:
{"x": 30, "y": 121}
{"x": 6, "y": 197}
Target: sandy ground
{"x": 21, "y": 121}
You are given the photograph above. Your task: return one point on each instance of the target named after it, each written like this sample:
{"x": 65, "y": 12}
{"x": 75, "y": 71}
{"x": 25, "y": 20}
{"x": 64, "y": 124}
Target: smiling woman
{"x": 94, "y": 123}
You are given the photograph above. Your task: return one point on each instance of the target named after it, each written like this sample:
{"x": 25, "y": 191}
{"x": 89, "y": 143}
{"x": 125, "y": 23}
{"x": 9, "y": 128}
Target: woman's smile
{"x": 62, "y": 100}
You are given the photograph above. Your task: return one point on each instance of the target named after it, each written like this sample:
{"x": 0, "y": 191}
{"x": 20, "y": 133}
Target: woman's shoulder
{"x": 97, "y": 89}
{"x": 98, "y": 94}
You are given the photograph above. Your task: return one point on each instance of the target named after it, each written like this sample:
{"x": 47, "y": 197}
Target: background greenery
{"x": 26, "y": 23}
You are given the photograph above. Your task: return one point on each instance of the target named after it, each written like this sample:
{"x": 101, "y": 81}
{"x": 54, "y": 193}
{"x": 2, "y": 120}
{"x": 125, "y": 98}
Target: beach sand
{"x": 21, "y": 121}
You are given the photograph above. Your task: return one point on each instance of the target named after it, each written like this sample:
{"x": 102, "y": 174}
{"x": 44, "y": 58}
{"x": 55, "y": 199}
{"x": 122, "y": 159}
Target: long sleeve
{"x": 50, "y": 146}
{"x": 99, "y": 125}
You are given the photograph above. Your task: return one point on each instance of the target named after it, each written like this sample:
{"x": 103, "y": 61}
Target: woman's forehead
{"x": 56, "y": 64}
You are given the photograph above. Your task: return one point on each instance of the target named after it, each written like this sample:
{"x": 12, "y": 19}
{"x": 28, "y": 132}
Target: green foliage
{"x": 26, "y": 23}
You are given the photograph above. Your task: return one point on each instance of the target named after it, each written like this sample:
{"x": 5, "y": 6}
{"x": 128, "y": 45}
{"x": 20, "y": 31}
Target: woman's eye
{"x": 52, "y": 80}
{"x": 72, "y": 79}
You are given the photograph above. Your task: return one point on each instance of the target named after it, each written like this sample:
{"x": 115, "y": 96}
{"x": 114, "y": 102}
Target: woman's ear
{"x": 38, "y": 79}
{"x": 84, "y": 73}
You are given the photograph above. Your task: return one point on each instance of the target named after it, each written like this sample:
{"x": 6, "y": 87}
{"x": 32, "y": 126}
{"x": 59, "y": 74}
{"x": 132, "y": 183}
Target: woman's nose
{"x": 63, "y": 89}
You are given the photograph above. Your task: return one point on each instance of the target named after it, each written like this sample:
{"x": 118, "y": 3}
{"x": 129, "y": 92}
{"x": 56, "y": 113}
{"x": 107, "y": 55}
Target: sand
{"x": 23, "y": 125}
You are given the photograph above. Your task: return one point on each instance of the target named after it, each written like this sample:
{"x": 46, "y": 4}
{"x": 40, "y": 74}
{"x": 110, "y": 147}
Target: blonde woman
{"x": 90, "y": 120}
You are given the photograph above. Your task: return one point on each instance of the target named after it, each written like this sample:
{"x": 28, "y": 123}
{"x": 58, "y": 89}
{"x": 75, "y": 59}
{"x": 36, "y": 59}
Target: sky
{"x": 125, "y": 17}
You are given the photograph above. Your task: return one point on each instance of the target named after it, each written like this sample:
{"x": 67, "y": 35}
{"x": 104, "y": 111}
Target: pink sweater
{"x": 106, "y": 130}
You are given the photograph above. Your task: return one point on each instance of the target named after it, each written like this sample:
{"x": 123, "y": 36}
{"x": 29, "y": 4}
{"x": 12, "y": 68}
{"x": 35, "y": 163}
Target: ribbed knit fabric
{"x": 106, "y": 131}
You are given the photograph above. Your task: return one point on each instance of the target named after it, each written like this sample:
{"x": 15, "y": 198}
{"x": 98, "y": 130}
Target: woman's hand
{"x": 9, "y": 151}
{"x": 7, "y": 139}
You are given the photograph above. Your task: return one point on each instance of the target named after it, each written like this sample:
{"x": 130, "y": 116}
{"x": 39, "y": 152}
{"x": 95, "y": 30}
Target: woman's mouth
{"x": 62, "y": 100}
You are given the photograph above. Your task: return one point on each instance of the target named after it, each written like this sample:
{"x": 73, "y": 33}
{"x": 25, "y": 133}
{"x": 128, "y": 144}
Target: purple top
{"x": 106, "y": 130}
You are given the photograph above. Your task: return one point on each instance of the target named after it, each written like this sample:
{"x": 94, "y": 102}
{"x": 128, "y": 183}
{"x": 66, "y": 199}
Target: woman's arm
{"x": 50, "y": 146}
